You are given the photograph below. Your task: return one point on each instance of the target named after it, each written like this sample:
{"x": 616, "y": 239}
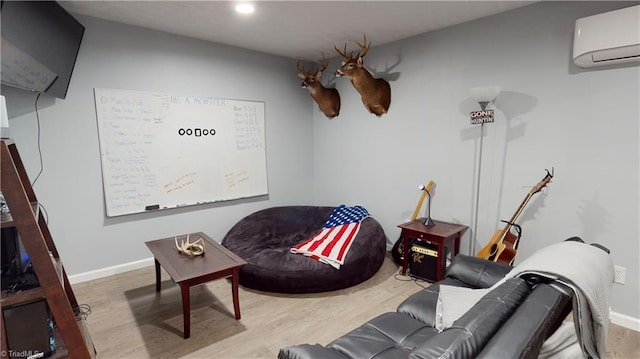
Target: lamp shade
{"x": 485, "y": 93}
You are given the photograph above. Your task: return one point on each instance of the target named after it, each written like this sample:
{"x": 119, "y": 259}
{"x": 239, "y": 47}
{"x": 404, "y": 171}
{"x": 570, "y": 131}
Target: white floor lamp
{"x": 483, "y": 95}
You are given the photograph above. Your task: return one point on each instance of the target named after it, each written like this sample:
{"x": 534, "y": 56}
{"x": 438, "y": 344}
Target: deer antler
{"x": 343, "y": 53}
{"x": 364, "y": 46}
{"x": 300, "y": 68}
{"x": 191, "y": 249}
{"x": 324, "y": 63}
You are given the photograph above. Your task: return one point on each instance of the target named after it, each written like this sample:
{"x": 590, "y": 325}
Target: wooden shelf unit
{"x": 71, "y": 335}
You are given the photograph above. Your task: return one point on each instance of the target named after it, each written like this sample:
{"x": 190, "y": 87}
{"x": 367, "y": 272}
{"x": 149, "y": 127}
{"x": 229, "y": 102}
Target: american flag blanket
{"x": 332, "y": 243}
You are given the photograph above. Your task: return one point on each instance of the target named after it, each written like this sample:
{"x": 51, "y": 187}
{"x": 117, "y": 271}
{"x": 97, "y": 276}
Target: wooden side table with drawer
{"x": 440, "y": 234}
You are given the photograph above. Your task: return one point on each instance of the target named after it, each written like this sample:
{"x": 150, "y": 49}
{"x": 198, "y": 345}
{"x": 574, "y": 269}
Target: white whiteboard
{"x": 163, "y": 151}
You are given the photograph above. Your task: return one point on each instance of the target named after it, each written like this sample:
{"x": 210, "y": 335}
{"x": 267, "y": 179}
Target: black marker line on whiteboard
{"x": 152, "y": 207}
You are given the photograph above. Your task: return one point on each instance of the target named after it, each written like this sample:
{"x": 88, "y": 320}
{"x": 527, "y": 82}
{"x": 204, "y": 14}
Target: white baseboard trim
{"x": 616, "y": 318}
{"x": 105, "y": 272}
{"x": 625, "y": 321}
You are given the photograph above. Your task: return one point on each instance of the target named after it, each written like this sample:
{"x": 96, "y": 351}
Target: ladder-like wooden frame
{"x": 72, "y": 337}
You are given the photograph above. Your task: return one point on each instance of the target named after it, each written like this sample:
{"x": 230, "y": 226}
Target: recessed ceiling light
{"x": 245, "y": 8}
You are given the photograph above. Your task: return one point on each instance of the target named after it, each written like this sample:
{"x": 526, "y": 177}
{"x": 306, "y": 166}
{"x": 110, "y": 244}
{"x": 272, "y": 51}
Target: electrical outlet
{"x": 621, "y": 274}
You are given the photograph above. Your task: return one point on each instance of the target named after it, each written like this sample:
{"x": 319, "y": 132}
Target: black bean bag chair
{"x": 264, "y": 240}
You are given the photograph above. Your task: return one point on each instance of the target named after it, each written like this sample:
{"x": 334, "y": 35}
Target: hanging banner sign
{"x": 480, "y": 117}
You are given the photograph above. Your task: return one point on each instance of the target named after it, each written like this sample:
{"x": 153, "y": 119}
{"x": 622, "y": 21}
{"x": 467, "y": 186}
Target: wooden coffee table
{"x": 217, "y": 262}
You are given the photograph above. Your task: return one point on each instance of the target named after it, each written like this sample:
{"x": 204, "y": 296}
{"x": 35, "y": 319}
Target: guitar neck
{"x": 417, "y": 210}
{"x": 425, "y": 192}
{"x": 515, "y": 216}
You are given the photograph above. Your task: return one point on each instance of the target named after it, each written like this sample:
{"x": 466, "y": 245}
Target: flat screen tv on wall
{"x": 40, "y": 43}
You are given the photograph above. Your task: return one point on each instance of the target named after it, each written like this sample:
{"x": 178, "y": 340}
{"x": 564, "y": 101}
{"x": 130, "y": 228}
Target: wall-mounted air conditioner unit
{"x": 609, "y": 38}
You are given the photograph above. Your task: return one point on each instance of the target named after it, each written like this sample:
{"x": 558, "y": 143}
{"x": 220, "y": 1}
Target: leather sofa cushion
{"x": 464, "y": 271}
{"x": 389, "y": 335}
{"x": 469, "y": 334}
{"x": 422, "y": 305}
{"x": 306, "y": 351}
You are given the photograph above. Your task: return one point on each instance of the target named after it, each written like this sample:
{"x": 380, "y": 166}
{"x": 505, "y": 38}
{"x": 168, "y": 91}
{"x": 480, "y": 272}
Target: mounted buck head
{"x": 375, "y": 93}
{"x": 328, "y": 99}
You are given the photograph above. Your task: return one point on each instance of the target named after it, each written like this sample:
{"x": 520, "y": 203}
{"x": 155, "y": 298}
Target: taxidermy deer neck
{"x": 328, "y": 99}
{"x": 375, "y": 93}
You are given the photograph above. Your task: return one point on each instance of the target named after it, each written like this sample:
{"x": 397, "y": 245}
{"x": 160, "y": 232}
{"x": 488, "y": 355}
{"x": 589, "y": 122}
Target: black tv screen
{"x": 40, "y": 43}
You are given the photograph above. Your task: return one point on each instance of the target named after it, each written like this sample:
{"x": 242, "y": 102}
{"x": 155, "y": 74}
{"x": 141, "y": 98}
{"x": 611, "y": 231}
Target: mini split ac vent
{"x": 609, "y": 38}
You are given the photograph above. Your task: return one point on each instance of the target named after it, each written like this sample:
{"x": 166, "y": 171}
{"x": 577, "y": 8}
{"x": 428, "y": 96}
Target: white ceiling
{"x": 293, "y": 28}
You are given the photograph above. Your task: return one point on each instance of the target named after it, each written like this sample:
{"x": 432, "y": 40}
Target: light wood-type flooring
{"x": 129, "y": 320}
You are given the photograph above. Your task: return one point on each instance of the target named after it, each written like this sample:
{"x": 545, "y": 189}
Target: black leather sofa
{"x": 511, "y": 321}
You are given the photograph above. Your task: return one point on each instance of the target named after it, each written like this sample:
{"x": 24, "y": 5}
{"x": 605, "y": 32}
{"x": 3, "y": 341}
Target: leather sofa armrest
{"x": 476, "y": 272}
{"x": 309, "y": 351}
{"x": 535, "y": 320}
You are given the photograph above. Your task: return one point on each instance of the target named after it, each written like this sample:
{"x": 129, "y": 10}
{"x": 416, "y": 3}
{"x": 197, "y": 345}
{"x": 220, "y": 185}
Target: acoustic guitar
{"x": 397, "y": 252}
{"x": 503, "y": 245}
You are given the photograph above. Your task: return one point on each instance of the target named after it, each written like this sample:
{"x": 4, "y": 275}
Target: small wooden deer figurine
{"x": 328, "y": 99}
{"x": 376, "y": 93}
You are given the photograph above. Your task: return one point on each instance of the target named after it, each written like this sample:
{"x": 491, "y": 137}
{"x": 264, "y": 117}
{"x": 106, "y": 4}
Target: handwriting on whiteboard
{"x": 180, "y": 183}
{"x": 236, "y": 178}
{"x": 167, "y": 100}
{"x": 248, "y": 128}
{"x": 169, "y": 151}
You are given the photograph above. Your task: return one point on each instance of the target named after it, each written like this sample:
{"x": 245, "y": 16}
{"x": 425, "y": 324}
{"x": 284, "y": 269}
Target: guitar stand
{"x": 518, "y": 230}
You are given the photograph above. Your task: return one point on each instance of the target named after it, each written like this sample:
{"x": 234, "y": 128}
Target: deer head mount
{"x": 375, "y": 93}
{"x": 328, "y": 99}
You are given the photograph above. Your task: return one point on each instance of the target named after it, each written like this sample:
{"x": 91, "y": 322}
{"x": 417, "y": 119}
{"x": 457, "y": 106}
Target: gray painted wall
{"x": 123, "y": 57}
{"x": 550, "y": 114}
